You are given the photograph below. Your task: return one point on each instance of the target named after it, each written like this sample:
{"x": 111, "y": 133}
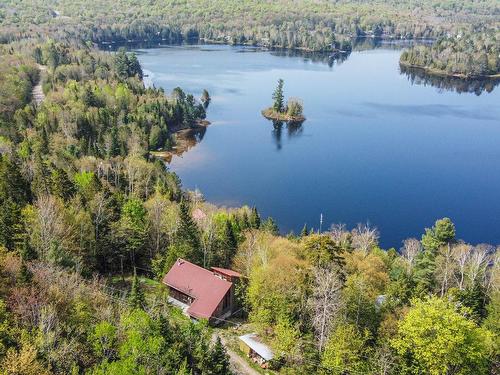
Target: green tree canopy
{"x": 436, "y": 338}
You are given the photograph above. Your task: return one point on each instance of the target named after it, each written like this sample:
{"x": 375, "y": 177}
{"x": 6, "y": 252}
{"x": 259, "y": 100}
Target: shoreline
{"x": 183, "y": 140}
{"x": 441, "y": 73}
{"x": 260, "y": 44}
{"x": 270, "y": 114}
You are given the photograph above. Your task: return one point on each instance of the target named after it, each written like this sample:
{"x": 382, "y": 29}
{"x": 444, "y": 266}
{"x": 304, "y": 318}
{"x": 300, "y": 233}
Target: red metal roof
{"x": 207, "y": 289}
{"x": 226, "y": 271}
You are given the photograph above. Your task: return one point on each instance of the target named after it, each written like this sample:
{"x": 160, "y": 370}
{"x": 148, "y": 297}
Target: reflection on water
{"x": 294, "y": 129}
{"x": 315, "y": 57}
{"x": 184, "y": 140}
{"x": 415, "y": 76}
{"x": 375, "y": 147}
{"x": 477, "y": 86}
{"x": 368, "y": 43}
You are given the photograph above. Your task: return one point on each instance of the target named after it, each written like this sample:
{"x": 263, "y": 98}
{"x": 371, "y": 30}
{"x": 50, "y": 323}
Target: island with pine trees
{"x": 291, "y": 112}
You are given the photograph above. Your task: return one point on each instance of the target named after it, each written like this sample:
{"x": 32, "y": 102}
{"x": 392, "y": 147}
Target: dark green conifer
{"x": 254, "y": 219}
{"x": 188, "y": 233}
{"x": 219, "y": 360}
{"x": 229, "y": 242}
{"x": 305, "y": 231}
{"x": 137, "y": 299}
{"x": 244, "y": 222}
{"x": 270, "y": 226}
{"x": 61, "y": 185}
{"x": 279, "y": 100}
{"x": 25, "y": 274}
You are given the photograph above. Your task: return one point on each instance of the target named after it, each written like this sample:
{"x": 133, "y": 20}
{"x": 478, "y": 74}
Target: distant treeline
{"x": 468, "y": 56}
{"x": 305, "y": 24}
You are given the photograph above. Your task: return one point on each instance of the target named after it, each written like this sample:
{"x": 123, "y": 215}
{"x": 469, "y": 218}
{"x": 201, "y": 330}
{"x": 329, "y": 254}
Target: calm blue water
{"x": 375, "y": 147}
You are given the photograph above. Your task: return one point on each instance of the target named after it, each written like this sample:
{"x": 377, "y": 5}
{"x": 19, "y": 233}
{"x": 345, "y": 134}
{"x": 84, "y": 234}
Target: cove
{"x": 395, "y": 149}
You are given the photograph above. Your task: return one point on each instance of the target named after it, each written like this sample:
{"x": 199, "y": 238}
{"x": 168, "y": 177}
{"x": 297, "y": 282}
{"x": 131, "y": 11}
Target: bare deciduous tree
{"x": 340, "y": 235}
{"x": 411, "y": 248}
{"x": 446, "y": 266}
{"x": 325, "y": 302}
{"x": 50, "y": 226}
{"x": 364, "y": 237}
{"x": 493, "y": 281}
{"x": 156, "y": 209}
{"x": 461, "y": 254}
{"x": 99, "y": 213}
{"x": 478, "y": 261}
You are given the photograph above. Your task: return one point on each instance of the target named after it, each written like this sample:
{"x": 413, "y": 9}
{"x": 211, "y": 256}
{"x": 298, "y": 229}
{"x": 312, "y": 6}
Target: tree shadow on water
{"x": 294, "y": 129}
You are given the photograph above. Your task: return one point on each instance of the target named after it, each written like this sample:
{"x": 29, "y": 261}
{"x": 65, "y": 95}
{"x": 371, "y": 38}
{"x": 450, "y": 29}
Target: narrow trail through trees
{"x": 238, "y": 365}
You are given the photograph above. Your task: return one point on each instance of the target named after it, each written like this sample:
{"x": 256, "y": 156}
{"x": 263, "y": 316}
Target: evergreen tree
{"x": 25, "y": 274}
{"x": 188, "y": 233}
{"x": 279, "y": 101}
{"x": 205, "y": 98}
{"x": 305, "y": 231}
{"x": 12, "y": 183}
{"x": 10, "y": 214}
{"x": 132, "y": 228}
{"x": 442, "y": 233}
{"x": 136, "y": 298}
{"x": 219, "y": 360}
{"x": 270, "y": 226}
{"x": 114, "y": 148}
{"x": 425, "y": 267}
{"x": 229, "y": 242}
{"x": 26, "y": 251}
{"x": 322, "y": 251}
{"x": 475, "y": 298}
{"x": 61, "y": 185}
{"x": 254, "y": 218}
{"x": 121, "y": 64}
{"x": 134, "y": 67}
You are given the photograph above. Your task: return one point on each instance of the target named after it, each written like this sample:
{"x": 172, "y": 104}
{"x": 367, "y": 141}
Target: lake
{"x": 395, "y": 150}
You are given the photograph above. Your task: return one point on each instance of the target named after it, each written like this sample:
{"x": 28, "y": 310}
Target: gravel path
{"x": 238, "y": 365}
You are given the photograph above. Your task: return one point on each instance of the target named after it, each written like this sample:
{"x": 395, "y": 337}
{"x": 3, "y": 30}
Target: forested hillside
{"x": 285, "y": 23}
{"x": 90, "y": 221}
{"x": 80, "y": 199}
{"x": 467, "y": 56}
{"x": 83, "y": 206}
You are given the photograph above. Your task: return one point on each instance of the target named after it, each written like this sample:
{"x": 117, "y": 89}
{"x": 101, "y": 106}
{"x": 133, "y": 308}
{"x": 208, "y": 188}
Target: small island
{"x": 291, "y": 112}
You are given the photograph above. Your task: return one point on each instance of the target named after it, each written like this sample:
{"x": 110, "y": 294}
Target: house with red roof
{"x": 202, "y": 293}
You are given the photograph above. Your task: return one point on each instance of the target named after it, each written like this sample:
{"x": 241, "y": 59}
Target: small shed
{"x": 255, "y": 349}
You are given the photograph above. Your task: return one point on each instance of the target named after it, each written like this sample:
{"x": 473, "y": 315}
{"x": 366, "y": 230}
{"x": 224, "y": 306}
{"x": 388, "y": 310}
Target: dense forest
{"x": 308, "y": 24}
{"x": 467, "y": 56}
{"x": 84, "y": 208}
{"x": 90, "y": 221}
